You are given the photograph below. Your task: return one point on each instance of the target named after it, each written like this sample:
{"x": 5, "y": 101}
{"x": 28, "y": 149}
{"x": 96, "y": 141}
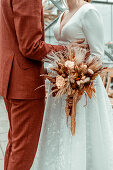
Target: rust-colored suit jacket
{"x": 22, "y": 49}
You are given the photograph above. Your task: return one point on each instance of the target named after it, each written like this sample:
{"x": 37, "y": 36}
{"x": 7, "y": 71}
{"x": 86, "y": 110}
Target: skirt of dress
{"x": 92, "y": 146}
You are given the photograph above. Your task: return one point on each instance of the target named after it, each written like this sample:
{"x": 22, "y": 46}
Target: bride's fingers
{"x": 76, "y": 43}
{"x": 84, "y": 46}
{"x": 79, "y": 41}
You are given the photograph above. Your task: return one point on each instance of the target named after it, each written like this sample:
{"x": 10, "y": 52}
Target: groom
{"x": 22, "y": 49}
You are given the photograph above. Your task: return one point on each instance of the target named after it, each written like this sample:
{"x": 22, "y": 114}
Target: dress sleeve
{"x": 92, "y": 24}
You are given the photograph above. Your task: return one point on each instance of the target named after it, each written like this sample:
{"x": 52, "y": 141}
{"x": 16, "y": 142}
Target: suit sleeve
{"x": 28, "y": 26}
{"x": 93, "y": 30}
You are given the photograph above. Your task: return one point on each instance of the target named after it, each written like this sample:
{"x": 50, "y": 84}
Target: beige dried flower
{"x": 78, "y": 83}
{"x": 90, "y": 71}
{"x": 83, "y": 66}
{"x": 60, "y": 82}
{"x": 72, "y": 80}
{"x": 87, "y": 80}
{"x": 81, "y": 81}
{"x": 83, "y": 77}
{"x": 69, "y": 64}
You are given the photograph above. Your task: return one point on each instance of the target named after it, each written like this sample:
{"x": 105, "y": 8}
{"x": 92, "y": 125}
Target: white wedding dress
{"x": 92, "y": 146}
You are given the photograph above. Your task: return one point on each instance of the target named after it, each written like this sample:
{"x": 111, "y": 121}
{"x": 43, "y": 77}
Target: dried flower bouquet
{"x": 73, "y": 73}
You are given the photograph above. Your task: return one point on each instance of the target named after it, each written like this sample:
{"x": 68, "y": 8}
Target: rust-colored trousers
{"x": 25, "y": 117}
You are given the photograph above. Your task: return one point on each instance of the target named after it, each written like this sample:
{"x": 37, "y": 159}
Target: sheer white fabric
{"x": 92, "y": 146}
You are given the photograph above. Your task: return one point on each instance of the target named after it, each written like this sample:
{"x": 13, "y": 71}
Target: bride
{"x": 91, "y": 148}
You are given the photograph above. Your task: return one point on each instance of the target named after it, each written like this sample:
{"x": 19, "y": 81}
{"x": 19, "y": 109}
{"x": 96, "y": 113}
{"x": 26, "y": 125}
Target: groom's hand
{"x": 78, "y": 43}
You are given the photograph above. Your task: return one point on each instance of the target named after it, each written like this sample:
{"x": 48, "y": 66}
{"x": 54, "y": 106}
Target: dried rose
{"x": 60, "y": 82}
{"x": 69, "y": 64}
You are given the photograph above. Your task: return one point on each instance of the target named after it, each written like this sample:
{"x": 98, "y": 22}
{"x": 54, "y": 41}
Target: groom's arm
{"x": 28, "y": 26}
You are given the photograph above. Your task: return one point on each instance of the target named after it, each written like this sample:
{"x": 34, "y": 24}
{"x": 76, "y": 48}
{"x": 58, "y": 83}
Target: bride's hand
{"x": 78, "y": 43}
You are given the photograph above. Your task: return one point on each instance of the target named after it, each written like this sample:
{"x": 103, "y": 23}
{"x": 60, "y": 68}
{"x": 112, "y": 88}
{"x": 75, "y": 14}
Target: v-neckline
{"x": 60, "y": 30}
